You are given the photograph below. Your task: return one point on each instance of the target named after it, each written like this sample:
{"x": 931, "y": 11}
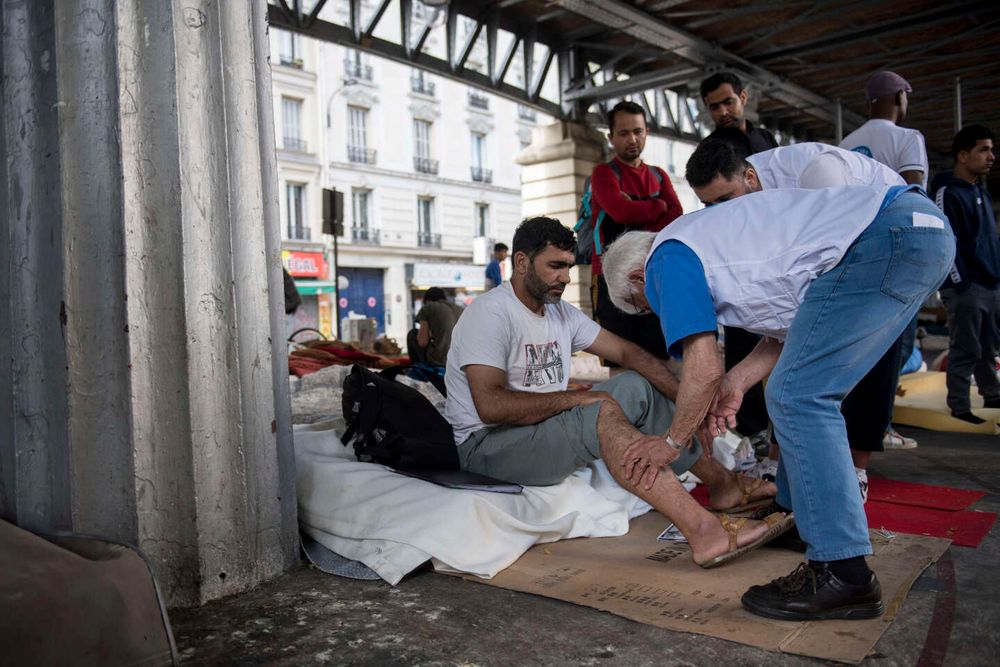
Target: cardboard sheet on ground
{"x": 657, "y": 583}
{"x": 922, "y": 404}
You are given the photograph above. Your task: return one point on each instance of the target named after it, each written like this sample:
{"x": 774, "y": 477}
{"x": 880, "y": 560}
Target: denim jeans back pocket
{"x": 920, "y": 260}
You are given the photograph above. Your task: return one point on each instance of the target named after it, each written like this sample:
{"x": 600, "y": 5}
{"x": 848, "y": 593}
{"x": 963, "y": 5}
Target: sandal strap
{"x": 732, "y": 528}
{"x": 747, "y": 486}
{"x": 774, "y": 518}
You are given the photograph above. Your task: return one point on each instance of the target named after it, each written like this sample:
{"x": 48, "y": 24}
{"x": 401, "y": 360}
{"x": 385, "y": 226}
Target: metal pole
{"x": 838, "y": 119}
{"x": 336, "y": 283}
{"x": 958, "y": 104}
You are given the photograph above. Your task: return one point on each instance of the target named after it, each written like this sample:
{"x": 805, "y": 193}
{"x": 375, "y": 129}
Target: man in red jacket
{"x": 628, "y": 195}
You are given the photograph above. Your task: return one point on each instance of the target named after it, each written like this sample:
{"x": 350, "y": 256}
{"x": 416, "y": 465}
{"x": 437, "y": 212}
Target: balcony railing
{"x": 421, "y": 85}
{"x": 481, "y": 175}
{"x": 294, "y": 144}
{"x": 300, "y": 233}
{"x": 356, "y": 70}
{"x": 428, "y": 240}
{"x": 362, "y": 155}
{"x": 425, "y": 165}
{"x": 365, "y": 235}
{"x": 524, "y": 113}
{"x": 478, "y": 101}
{"x": 290, "y": 61}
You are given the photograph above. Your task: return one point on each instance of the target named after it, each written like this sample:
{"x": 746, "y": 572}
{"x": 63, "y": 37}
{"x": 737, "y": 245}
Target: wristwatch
{"x": 676, "y": 446}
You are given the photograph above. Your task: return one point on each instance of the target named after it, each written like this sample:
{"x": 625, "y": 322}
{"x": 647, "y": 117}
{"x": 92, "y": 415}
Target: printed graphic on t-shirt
{"x": 864, "y": 150}
{"x": 543, "y": 364}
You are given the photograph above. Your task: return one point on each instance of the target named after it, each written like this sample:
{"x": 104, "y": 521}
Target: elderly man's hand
{"x": 645, "y": 457}
{"x": 722, "y": 414}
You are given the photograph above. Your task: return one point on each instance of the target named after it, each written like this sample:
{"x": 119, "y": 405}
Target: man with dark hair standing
{"x": 725, "y": 98}
{"x": 881, "y": 138}
{"x": 514, "y": 419}
{"x": 494, "y": 275}
{"x": 970, "y": 292}
{"x": 628, "y": 194}
{"x": 902, "y": 150}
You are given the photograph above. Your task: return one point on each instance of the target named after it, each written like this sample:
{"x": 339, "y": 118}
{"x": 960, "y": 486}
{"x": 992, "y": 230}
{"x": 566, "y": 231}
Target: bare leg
{"x": 702, "y": 529}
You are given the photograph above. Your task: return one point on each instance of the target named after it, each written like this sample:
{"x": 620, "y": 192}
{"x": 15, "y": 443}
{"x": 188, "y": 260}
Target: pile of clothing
{"x": 314, "y": 355}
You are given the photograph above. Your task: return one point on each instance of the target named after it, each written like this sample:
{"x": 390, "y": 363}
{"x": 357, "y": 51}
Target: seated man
{"x": 829, "y": 278}
{"x": 430, "y": 342}
{"x": 721, "y": 169}
{"x": 507, "y": 377}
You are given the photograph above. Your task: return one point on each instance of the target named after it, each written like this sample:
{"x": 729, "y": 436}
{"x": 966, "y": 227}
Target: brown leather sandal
{"x": 747, "y": 487}
{"x": 778, "y": 523}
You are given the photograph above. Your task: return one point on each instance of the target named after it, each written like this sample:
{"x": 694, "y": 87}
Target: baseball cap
{"x": 885, "y": 83}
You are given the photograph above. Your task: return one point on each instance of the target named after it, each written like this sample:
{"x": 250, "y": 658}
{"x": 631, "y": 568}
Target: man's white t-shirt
{"x": 498, "y": 330}
{"x": 816, "y": 165}
{"x": 899, "y": 148}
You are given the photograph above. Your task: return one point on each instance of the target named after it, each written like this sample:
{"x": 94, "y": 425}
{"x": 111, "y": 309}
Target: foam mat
{"x": 920, "y": 402}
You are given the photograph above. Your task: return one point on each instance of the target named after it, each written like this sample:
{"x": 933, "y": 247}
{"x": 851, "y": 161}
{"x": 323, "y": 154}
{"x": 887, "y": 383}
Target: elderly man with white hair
{"x": 722, "y": 168}
{"x": 829, "y": 278}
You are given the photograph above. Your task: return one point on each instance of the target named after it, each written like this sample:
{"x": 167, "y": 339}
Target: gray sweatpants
{"x": 548, "y": 452}
{"x": 974, "y": 342}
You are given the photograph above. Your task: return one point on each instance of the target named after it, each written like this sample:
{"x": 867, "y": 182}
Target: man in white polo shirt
{"x": 901, "y": 149}
{"x": 721, "y": 169}
{"x": 829, "y": 288}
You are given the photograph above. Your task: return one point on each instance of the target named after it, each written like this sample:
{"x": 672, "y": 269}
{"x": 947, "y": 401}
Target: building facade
{"x": 427, "y": 173}
{"x": 426, "y": 167}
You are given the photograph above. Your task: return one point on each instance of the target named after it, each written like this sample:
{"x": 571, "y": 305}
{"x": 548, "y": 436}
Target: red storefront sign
{"x": 305, "y": 264}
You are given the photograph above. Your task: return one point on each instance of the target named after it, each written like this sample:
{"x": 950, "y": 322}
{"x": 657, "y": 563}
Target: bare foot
{"x": 714, "y": 541}
{"x": 732, "y": 492}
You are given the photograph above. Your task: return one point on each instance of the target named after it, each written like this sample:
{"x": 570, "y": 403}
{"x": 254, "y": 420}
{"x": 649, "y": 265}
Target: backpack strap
{"x": 659, "y": 181}
{"x": 617, "y": 171}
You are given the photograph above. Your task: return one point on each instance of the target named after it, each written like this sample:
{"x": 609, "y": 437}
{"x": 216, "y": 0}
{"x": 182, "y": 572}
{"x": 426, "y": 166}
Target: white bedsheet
{"x": 393, "y": 523}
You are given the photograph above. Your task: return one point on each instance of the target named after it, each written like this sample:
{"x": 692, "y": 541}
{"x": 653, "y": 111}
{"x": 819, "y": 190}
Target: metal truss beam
{"x": 843, "y": 38}
{"x": 452, "y": 68}
{"x": 700, "y": 54}
{"x": 577, "y": 83}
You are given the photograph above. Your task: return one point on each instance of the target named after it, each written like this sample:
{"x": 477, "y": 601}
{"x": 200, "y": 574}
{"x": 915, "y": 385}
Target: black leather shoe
{"x": 812, "y": 592}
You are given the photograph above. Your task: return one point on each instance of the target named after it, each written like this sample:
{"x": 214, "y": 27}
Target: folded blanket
{"x": 393, "y": 523}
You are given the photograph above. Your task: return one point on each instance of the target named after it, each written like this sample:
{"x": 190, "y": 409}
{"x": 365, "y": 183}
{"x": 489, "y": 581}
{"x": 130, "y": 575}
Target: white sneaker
{"x": 765, "y": 469}
{"x": 894, "y": 440}
{"x": 862, "y": 483}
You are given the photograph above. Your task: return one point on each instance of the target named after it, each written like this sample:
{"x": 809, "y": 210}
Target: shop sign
{"x": 301, "y": 264}
{"x": 468, "y": 276}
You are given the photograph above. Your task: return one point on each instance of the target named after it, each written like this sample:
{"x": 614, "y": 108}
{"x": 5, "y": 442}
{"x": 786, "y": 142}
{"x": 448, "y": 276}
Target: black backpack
{"x": 395, "y": 425}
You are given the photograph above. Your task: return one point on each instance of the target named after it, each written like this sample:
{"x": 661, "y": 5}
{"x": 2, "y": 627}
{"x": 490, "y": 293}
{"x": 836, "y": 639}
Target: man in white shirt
{"x": 829, "y": 290}
{"x": 514, "y": 418}
{"x": 901, "y": 149}
{"x": 881, "y": 138}
{"x": 721, "y": 169}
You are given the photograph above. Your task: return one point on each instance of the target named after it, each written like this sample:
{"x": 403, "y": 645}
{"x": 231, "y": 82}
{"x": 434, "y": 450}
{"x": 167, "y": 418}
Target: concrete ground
{"x": 951, "y": 617}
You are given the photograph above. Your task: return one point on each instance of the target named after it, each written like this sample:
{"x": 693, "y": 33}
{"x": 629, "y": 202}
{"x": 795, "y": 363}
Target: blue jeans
{"x": 848, "y": 319}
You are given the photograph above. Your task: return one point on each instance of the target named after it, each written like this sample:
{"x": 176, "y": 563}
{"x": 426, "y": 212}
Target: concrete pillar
{"x": 142, "y": 341}
{"x": 554, "y": 167}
